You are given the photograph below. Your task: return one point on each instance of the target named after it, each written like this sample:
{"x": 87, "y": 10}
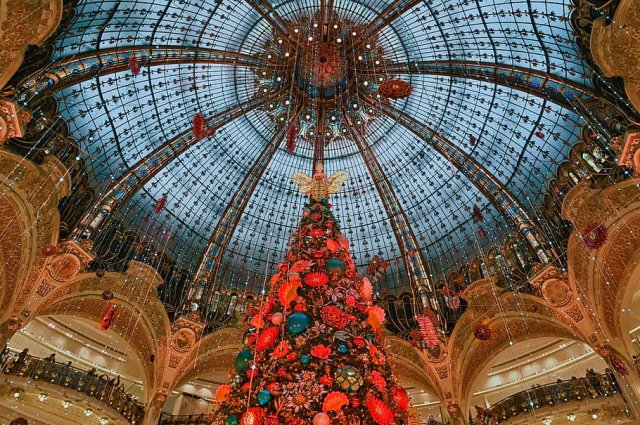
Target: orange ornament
{"x": 375, "y": 317}
{"x": 335, "y": 401}
{"x": 332, "y": 245}
{"x": 288, "y": 292}
{"x": 253, "y": 416}
{"x": 379, "y": 411}
{"x": 267, "y": 338}
{"x": 222, "y": 393}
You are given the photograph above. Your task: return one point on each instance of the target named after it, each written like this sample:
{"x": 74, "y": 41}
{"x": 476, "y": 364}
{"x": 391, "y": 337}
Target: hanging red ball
{"x": 100, "y": 272}
{"x": 594, "y": 235}
{"x": 162, "y": 202}
{"x": 379, "y": 411}
{"x": 107, "y": 295}
{"x": 292, "y": 134}
{"x": 253, "y": 416}
{"x": 200, "y": 130}
{"x": 400, "y": 397}
{"x": 482, "y": 332}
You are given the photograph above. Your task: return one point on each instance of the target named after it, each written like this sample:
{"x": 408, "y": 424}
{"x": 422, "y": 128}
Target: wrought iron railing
{"x": 200, "y": 419}
{"x": 539, "y": 397}
{"x": 67, "y": 376}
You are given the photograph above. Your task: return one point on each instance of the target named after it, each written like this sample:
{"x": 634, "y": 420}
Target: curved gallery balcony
{"x": 562, "y": 391}
{"x": 86, "y": 382}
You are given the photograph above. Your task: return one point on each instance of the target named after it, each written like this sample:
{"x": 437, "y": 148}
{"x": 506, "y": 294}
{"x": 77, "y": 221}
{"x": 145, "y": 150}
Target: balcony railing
{"x": 574, "y": 389}
{"x": 200, "y": 419}
{"x": 98, "y": 387}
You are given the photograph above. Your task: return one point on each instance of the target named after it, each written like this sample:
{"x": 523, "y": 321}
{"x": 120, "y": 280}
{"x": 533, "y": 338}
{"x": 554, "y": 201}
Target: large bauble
{"x": 321, "y": 419}
{"x": 400, "y": 397}
{"x": 348, "y": 378}
{"x": 277, "y": 319}
{"x": 231, "y": 420}
{"x": 243, "y": 360}
{"x": 264, "y": 397}
{"x": 297, "y": 323}
{"x": 253, "y": 416}
{"x": 335, "y": 266}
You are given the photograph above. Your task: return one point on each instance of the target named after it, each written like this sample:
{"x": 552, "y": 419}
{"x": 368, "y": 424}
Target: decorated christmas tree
{"x": 314, "y": 348}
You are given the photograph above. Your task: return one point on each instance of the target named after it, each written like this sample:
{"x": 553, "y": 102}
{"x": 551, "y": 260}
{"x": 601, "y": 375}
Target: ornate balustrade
{"x": 98, "y": 387}
{"x": 575, "y": 389}
{"x": 167, "y": 419}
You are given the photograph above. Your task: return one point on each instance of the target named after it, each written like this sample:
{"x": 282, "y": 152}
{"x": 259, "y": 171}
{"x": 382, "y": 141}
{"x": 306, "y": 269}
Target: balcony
{"x": 85, "y": 382}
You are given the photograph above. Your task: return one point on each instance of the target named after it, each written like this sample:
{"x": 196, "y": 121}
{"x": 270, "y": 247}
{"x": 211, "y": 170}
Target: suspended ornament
{"x": 321, "y": 419}
{"x": 477, "y": 214}
{"x": 349, "y": 379}
{"x": 594, "y": 235}
{"x": 292, "y": 134}
{"x": 375, "y": 317}
{"x": 335, "y": 401}
{"x": 288, "y": 292}
{"x": 472, "y": 140}
{"x": 200, "y": 128}
{"x": 107, "y": 295}
{"x": 222, "y": 393}
{"x": 19, "y": 421}
{"x": 297, "y": 323}
{"x": 400, "y": 397}
{"x": 395, "y": 89}
{"x": 539, "y": 134}
{"x": 482, "y": 332}
{"x": 134, "y": 65}
{"x": 162, "y": 202}
{"x": 253, "y": 416}
{"x": 481, "y": 233}
{"x": 109, "y": 317}
{"x": 427, "y": 328}
{"x": 243, "y": 360}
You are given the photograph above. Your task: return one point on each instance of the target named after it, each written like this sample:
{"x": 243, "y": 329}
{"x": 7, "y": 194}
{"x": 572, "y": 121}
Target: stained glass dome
{"x": 438, "y": 177}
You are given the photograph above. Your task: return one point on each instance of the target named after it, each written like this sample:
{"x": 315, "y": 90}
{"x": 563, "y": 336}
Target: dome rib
{"x": 410, "y": 251}
{"x": 486, "y": 182}
{"x": 209, "y": 264}
{"x": 129, "y": 183}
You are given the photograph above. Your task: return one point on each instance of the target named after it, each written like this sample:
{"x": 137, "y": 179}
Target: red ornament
{"x": 379, "y": 411}
{"x": 335, "y": 401}
{"x": 134, "y": 65}
{"x": 49, "y": 250}
{"x": 162, "y": 202}
{"x": 428, "y": 330}
{"x": 395, "y": 89}
{"x": 267, "y": 338}
{"x": 400, "y": 397}
{"x": 100, "y": 272}
{"x": 109, "y": 317}
{"x": 200, "y": 128}
{"x": 316, "y": 233}
{"x": 253, "y": 416}
{"x": 482, "y": 332}
{"x": 107, "y": 295}
{"x": 292, "y": 134}
{"x": 539, "y": 134}
{"x": 326, "y": 380}
{"x": 316, "y": 279}
{"x": 472, "y": 140}
{"x": 477, "y": 214}
{"x": 335, "y": 317}
{"x": 594, "y": 235}
{"x": 320, "y": 351}
{"x": 271, "y": 420}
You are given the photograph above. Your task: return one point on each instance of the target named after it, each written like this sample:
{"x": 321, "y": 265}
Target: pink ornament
{"x": 277, "y": 319}
{"x": 321, "y": 419}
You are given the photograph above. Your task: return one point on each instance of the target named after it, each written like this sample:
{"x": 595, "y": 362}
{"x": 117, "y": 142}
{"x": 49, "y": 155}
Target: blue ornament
{"x": 343, "y": 349}
{"x": 243, "y": 360}
{"x": 297, "y": 323}
{"x": 335, "y": 266}
{"x": 304, "y": 359}
{"x": 324, "y": 201}
{"x": 264, "y": 397}
{"x": 231, "y": 420}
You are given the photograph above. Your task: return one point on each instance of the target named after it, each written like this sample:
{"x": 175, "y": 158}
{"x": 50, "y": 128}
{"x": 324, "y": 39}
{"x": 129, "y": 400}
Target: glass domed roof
{"x": 496, "y": 81}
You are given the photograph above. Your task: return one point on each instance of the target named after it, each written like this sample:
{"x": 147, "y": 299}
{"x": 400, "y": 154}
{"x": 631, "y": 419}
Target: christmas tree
{"x": 314, "y": 350}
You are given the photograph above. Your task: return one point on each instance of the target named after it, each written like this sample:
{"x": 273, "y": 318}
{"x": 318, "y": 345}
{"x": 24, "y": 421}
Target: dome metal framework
{"x": 500, "y": 94}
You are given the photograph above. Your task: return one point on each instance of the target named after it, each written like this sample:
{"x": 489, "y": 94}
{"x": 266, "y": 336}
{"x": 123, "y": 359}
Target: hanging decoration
{"x": 482, "y": 332}
{"x": 427, "y": 326}
{"x": 594, "y": 235}
{"x": 477, "y": 214}
{"x": 109, "y": 317}
{"x": 376, "y": 269}
{"x": 107, "y": 295}
{"x": 134, "y": 65}
{"x": 328, "y": 356}
{"x": 395, "y": 89}
{"x": 472, "y": 140}
{"x": 200, "y": 128}
{"x": 162, "y": 202}
{"x": 539, "y": 134}
{"x": 292, "y": 134}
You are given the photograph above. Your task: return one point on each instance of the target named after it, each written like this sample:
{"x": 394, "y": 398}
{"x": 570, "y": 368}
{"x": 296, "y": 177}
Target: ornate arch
{"x": 143, "y": 323}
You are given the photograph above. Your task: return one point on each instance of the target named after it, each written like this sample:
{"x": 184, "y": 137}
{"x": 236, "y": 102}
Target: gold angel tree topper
{"x": 319, "y": 185}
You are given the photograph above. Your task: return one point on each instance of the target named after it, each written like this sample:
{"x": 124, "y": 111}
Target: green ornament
{"x": 297, "y": 323}
{"x": 243, "y": 360}
{"x": 231, "y": 420}
{"x": 264, "y": 397}
{"x": 348, "y": 378}
{"x": 304, "y": 359}
{"x": 335, "y": 266}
